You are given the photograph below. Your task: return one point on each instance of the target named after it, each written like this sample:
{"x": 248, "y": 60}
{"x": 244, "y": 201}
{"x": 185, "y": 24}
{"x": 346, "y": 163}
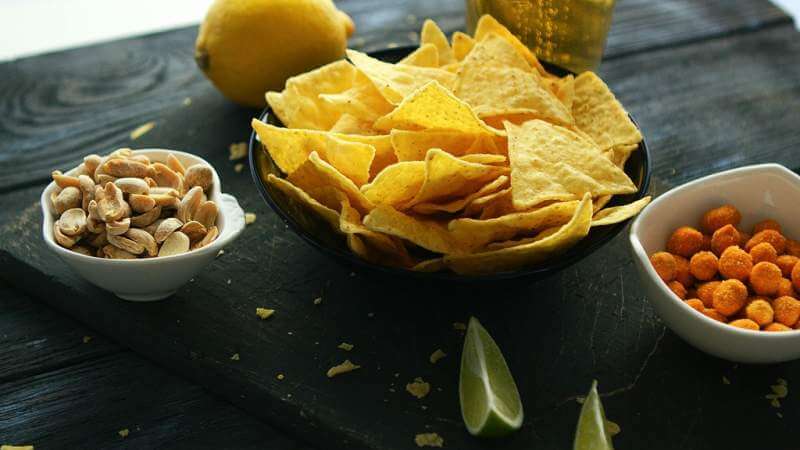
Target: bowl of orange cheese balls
{"x": 724, "y": 272}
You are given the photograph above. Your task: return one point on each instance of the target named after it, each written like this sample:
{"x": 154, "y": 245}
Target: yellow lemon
{"x": 248, "y": 47}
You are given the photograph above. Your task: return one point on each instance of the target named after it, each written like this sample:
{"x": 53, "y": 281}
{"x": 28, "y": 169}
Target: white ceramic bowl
{"x": 759, "y": 192}
{"x": 152, "y": 278}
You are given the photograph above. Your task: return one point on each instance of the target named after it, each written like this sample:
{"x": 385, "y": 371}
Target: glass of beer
{"x": 567, "y": 33}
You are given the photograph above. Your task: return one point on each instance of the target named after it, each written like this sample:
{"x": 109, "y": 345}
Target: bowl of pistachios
{"x": 139, "y": 223}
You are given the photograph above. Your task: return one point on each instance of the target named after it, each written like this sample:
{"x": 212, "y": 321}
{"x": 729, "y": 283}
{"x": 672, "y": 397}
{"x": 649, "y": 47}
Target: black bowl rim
{"x": 563, "y": 261}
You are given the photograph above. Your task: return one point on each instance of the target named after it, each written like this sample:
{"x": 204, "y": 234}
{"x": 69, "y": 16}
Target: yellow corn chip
{"x": 483, "y": 158}
{"x": 598, "y": 113}
{"x": 362, "y": 100}
{"x": 299, "y": 106}
{"x": 395, "y": 81}
{"x": 619, "y": 154}
{"x": 429, "y": 265}
{"x": 428, "y": 234}
{"x": 478, "y": 233}
{"x": 491, "y": 205}
{"x": 517, "y": 242}
{"x": 487, "y": 25}
{"x": 298, "y": 201}
{"x": 315, "y": 173}
{"x": 376, "y": 247}
{"x": 414, "y": 145}
{"x": 599, "y": 203}
{"x": 432, "y": 34}
{"x": 396, "y": 184}
{"x": 461, "y": 203}
{"x": 529, "y": 254}
{"x": 289, "y": 148}
{"x": 549, "y": 162}
{"x": 491, "y": 82}
{"x": 617, "y": 214}
{"x": 462, "y": 44}
{"x": 565, "y": 90}
{"x": 427, "y": 55}
{"x": 433, "y": 107}
{"x": 448, "y": 177}
{"x": 350, "y": 124}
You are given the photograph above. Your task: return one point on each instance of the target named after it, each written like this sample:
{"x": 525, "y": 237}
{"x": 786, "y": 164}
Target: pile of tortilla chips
{"x": 467, "y": 155}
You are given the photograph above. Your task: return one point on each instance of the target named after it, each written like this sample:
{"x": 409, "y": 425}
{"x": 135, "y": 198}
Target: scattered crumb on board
{"x": 428, "y": 440}
{"x": 344, "y": 367}
{"x": 235, "y": 357}
{"x": 237, "y": 150}
{"x": 87, "y": 339}
{"x": 437, "y": 355}
{"x": 123, "y": 432}
{"x": 264, "y": 313}
{"x": 249, "y": 218}
{"x": 345, "y": 346}
{"x": 418, "y": 388}
{"x": 141, "y": 130}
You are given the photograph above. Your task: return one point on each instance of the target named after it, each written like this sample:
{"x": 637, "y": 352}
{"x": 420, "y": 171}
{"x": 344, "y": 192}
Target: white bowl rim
{"x": 224, "y": 237}
{"x": 664, "y": 198}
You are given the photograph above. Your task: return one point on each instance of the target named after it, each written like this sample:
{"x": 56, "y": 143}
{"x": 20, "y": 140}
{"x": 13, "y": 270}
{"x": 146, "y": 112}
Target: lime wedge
{"x": 593, "y": 431}
{"x": 490, "y": 403}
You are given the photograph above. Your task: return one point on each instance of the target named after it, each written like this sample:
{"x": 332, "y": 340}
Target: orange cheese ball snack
{"x": 696, "y": 303}
{"x": 793, "y": 247}
{"x": 735, "y": 263}
{"x": 771, "y": 236}
{"x": 787, "y": 263}
{"x": 676, "y": 287}
{"x": 765, "y": 278}
{"x": 786, "y": 289}
{"x": 787, "y": 310}
{"x": 685, "y": 241}
{"x": 714, "y": 314}
{"x": 705, "y": 292}
{"x": 775, "y": 326}
{"x": 704, "y": 265}
{"x": 796, "y": 276}
{"x": 682, "y": 273}
{"x": 764, "y": 252}
{"x": 744, "y": 237}
{"x": 729, "y": 297}
{"x": 665, "y": 265}
{"x": 747, "y": 324}
{"x": 767, "y": 224}
{"x": 719, "y": 217}
{"x": 760, "y": 312}
{"x": 723, "y": 238}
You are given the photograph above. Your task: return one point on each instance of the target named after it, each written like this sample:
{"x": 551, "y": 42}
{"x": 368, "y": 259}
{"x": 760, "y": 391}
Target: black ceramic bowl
{"x": 319, "y": 235}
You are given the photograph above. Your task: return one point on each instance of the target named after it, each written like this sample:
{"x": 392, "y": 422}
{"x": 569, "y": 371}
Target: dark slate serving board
{"x": 708, "y": 96}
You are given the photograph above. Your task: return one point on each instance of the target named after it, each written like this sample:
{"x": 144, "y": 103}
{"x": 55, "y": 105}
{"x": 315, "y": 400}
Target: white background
{"x": 29, "y": 27}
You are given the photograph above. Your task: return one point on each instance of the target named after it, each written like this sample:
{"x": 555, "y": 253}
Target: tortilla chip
{"x": 316, "y": 173}
{"x": 460, "y": 203}
{"x": 350, "y": 124}
{"x": 414, "y": 145}
{"x": 517, "y": 242}
{"x": 448, "y": 177}
{"x": 375, "y": 247}
{"x": 565, "y": 90}
{"x": 433, "y": 107}
{"x": 619, "y": 154}
{"x": 487, "y": 25}
{"x": 304, "y": 200}
{"x": 617, "y": 214}
{"x": 396, "y": 184}
{"x": 483, "y": 158}
{"x": 426, "y": 55}
{"x": 491, "y": 205}
{"x": 599, "y": 203}
{"x": 529, "y": 254}
{"x": 397, "y": 82}
{"x": 549, "y": 162}
{"x": 491, "y": 81}
{"x": 598, "y": 113}
{"x": 429, "y": 265}
{"x": 462, "y": 43}
{"x": 432, "y": 34}
{"x": 362, "y": 100}
{"x": 299, "y": 106}
{"x": 289, "y": 148}
{"x": 478, "y": 233}
{"x": 428, "y": 234}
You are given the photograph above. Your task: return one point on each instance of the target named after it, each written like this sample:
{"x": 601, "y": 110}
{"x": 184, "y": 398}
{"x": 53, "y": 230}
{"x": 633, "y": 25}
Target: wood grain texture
{"x": 590, "y": 321}
{"x": 58, "y": 107}
{"x": 58, "y": 392}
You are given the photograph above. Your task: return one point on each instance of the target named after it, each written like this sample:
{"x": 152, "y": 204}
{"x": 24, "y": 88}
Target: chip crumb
{"x": 411, "y": 19}
{"x": 397, "y": 374}
{"x": 437, "y": 355}
{"x": 725, "y": 380}
{"x": 141, "y": 130}
{"x": 249, "y": 218}
{"x": 16, "y": 447}
{"x": 228, "y": 281}
{"x": 613, "y": 428}
{"x": 123, "y": 432}
{"x": 238, "y": 168}
{"x": 344, "y": 367}
{"x": 345, "y": 346}
{"x": 187, "y": 101}
{"x": 459, "y": 326}
{"x": 428, "y": 440}
{"x": 280, "y": 376}
{"x": 220, "y": 252}
{"x": 237, "y": 150}
{"x": 318, "y": 300}
{"x": 235, "y": 357}
{"x": 87, "y": 339}
{"x": 779, "y": 391}
{"x": 264, "y": 313}
{"x": 418, "y": 388}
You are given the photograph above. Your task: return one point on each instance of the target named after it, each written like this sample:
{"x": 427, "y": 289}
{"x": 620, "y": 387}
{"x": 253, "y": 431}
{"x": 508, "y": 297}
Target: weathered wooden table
{"x": 713, "y": 84}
